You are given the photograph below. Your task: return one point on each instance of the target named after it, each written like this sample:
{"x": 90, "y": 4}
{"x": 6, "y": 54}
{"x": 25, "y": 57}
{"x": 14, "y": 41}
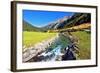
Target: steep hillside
{"x": 66, "y": 22}
{"x": 56, "y": 24}
{"x": 77, "y": 19}
{"x": 28, "y": 27}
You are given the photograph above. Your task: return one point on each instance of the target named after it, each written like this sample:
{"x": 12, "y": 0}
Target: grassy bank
{"x": 84, "y": 44}
{"x": 31, "y": 38}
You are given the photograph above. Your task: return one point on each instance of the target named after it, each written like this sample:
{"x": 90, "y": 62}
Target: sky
{"x": 43, "y": 18}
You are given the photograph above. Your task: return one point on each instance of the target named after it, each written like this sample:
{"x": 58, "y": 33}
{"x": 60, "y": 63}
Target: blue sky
{"x": 42, "y": 18}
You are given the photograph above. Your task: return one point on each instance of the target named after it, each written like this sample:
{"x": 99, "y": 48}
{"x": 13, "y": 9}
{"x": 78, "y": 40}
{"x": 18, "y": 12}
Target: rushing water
{"x": 51, "y": 55}
{"x": 55, "y": 52}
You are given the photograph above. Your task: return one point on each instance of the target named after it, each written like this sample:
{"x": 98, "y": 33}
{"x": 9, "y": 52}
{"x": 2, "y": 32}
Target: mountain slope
{"x": 56, "y": 24}
{"x": 28, "y": 27}
{"x": 66, "y": 22}
{"x": 77, "y": 19}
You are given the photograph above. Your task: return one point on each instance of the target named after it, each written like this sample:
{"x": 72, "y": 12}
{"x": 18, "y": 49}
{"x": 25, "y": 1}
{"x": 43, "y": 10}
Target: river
{"x": 55, "y": 51}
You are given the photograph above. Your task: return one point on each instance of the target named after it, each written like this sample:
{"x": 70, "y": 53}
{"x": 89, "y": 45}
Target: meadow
{"x": 31, "y": 37}
{"x": 84, "y": 44}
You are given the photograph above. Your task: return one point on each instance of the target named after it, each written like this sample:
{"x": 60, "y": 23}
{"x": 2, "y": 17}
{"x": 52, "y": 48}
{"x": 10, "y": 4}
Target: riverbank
{"x": 30, "y": 38}
{"x": 54, "y": 48}
{"x": 83, "y": 40}
{"x": 84, "y": 44}
{"x": 38, "y": 48}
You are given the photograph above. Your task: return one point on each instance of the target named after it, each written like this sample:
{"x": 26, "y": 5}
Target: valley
{"x": 68, "y": 38}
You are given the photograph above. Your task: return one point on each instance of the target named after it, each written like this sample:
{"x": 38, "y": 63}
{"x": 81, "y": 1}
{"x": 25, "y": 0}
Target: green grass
{"x": 30, "y": 38}
{"x": 84, "y": 44}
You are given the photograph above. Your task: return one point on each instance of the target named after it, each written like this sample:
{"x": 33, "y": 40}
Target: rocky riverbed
{"x": 38, "y": 48}
{"x": 53, "y": 49}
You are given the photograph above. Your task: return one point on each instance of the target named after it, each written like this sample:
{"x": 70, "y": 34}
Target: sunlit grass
{"x": 31, "y": 38}
{"x": 84, "y": 44}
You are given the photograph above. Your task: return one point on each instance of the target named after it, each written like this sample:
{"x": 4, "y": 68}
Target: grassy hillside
{"x": 77, "y": 19}
{"x": 31, "y": 38}
{"x": 28, "y": 27}
{"x": 82, "y": 26}
{"x": 84, "y": 44}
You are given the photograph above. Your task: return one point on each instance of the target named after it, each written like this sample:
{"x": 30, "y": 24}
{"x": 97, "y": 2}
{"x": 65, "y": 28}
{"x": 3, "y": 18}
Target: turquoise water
{"x": 55, "y": 50}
